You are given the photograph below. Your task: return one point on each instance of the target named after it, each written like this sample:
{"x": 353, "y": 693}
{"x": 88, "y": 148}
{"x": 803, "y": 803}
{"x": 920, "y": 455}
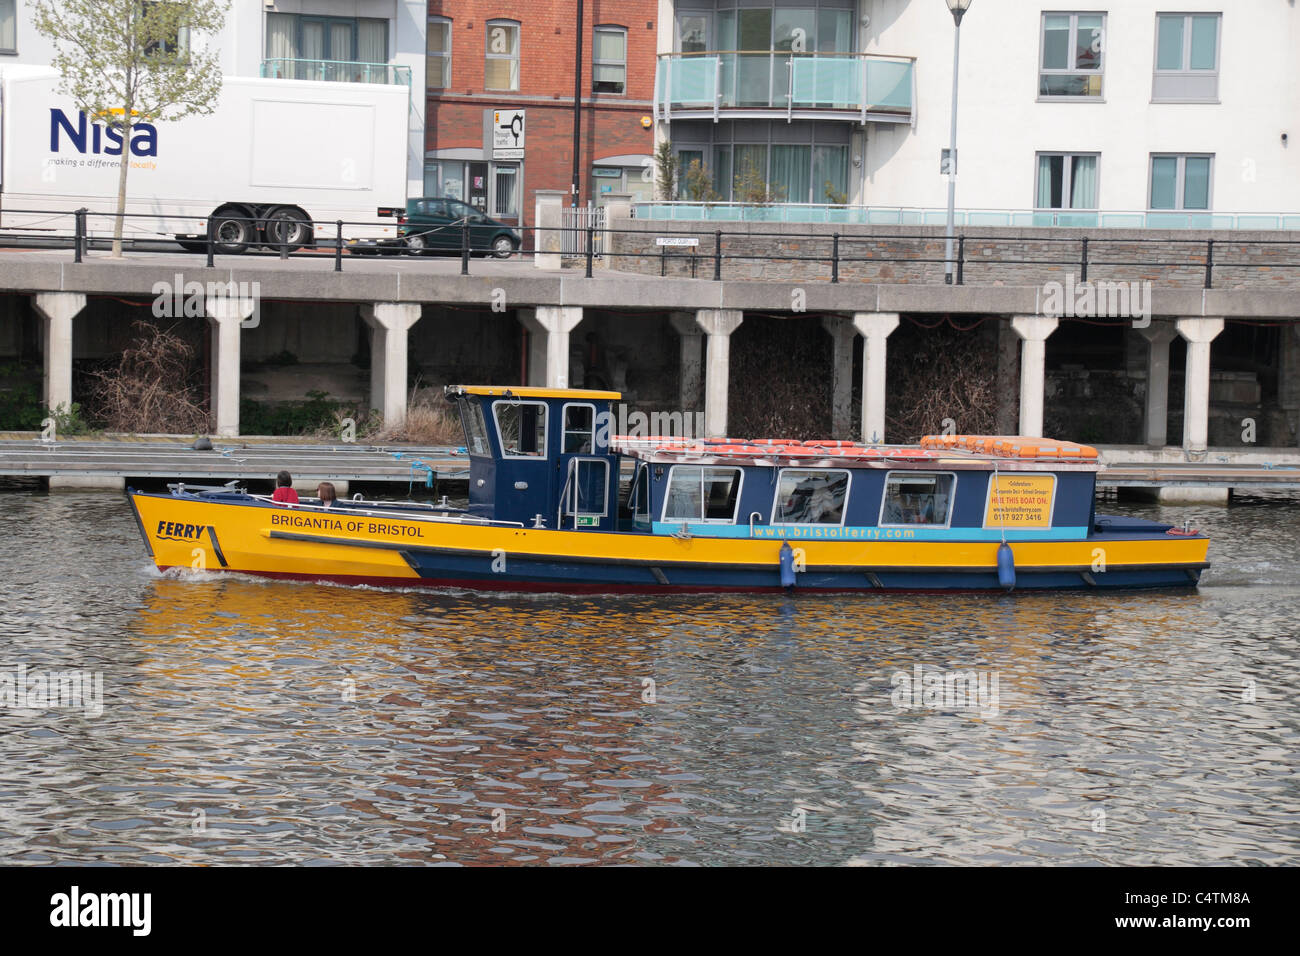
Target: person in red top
{"x": 284, "y": 492}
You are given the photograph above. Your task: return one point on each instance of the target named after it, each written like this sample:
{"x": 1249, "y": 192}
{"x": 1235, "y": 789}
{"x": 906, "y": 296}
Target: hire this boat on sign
{"x": 547, "y": 511}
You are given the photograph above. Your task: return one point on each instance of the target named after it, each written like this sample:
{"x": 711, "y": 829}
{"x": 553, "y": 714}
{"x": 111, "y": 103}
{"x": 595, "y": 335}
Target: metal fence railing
{"x": 695, "y": 253}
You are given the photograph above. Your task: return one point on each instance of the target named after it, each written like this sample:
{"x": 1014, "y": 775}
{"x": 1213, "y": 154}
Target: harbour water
{"x": 254, "y": 722}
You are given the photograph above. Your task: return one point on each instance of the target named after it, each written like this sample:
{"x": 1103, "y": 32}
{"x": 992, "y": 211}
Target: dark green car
{"x": 437, "y": 224}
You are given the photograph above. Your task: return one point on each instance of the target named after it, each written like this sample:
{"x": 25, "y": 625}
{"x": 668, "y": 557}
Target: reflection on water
{"x": 252, "y": 722}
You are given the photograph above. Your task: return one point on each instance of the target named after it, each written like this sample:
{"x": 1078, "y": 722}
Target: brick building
{"x": 489, "y": 58}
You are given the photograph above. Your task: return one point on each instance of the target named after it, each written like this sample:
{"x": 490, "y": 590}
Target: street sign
{"x": 676, "y": 241}
{"x": 508, "y": 134}
{"x": 948, "y": 162}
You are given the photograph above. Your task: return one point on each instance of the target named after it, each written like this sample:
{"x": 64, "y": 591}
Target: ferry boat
{"x": 547, "y": 511}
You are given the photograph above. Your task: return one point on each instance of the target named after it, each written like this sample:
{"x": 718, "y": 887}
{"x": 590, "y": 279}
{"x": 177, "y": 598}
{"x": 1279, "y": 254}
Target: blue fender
{"x": 1006, "y": 567}
{"x": 787, "y": 565}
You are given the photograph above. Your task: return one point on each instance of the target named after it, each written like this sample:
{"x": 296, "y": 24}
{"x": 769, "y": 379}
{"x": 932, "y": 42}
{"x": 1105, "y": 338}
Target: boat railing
{"x": 351, "y": 509}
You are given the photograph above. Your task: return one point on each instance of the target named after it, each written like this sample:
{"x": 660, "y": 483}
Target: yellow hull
{"x": 348, "y": 546}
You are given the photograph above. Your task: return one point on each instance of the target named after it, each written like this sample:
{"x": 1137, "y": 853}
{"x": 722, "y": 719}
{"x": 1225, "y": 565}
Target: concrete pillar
{"x": 691, "y": 366}
{"x": 1007, "y": 417}
{"x": 1033, "y": 331}
{"x": 875, "y": 328}
{"x": 548, "y": 216}
{"x": 390, "y": 324}
{"x": 226, "y": 315}
{"x": 618, "y": 213}
{"x": 548, "y": 331}
{"x": 1158, "y": 336}
{"x": 1199, "y": 333}
{"x": 57, "y": 310}
{"x": 718, "y": 324}
{"x": 843, "y": 339}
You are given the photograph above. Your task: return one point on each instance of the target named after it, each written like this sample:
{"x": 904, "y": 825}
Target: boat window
{"x": 579, "y": 429}
{"x": 810, "y": 497}
{"x": 641, "y": 500}
{"x": 522, "y": 427}
{"x": 702, "y": 494}
{"x": 916, "y": 498}
{"x": 476, "y": 435}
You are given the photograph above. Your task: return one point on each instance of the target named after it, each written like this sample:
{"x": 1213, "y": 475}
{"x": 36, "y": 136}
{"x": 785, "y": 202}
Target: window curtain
{"x": 1169, "y": 42}
{"x": 280, "y": 36}
{"x": 1049, "y": 178}
{"x": 372, "y": 41}
{"x": 1164, "y": 179}
{"x": 1205, "y": 41}
{"x": 792, "y": 173}
{"x": 744, "y": 156}
{"x": 830, "y": 172}
{"x": 1083, "y": 183}
{"x": 8, "y": 39}
{"x": 1196, "y": 183}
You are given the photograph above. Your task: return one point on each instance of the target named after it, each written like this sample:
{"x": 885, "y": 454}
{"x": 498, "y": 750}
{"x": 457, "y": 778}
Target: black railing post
{"x": 284, "y": 242}
{"x": 717, "y": 256}
{"x": 835, "y": 257}
{"x": 211, "y": 243}
{"x": 338, "y": 245}
{"x": 1209, "y": 263}
{"x": 1083, "y": 264}
{"x": 591, "y": 248}
{"x": 79, "y": 242}
{"x": 464, "y": 248}
{"x": 961, "y": 260}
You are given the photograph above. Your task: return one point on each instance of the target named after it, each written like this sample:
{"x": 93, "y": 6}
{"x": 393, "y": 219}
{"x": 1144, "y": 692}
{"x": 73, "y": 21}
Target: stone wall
{"x": 992, "y": 255}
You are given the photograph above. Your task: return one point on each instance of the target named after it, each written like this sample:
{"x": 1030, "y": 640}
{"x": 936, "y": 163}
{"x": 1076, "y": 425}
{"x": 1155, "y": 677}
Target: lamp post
{"x": 958, "y": 8}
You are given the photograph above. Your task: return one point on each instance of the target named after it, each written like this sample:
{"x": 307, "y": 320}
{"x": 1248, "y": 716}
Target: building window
{"x": 1187, "y": 57}
{"x": 1073, "y": 54}
{"x": 1066, "y": 181}
{"x": 341, "y": 49}
{"x": 8, "y": 26}
{"x": 501, "y": 72}
{"x": 609, "y": 60}
{"x": 1181, "y": 181}
{"x": 437, "y": 62}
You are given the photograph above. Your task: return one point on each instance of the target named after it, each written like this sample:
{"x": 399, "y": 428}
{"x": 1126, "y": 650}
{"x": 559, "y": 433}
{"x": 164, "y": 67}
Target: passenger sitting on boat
{"x": 325, "y": 491}
{"x": 284, "y": 492}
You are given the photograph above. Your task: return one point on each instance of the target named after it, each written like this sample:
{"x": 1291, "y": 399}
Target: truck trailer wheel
{"x": 232, "y": 231}
{"x": 287, "y": 224}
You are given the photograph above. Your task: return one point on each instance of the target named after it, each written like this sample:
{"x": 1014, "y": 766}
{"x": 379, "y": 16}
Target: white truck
{"x": 279, "y": 161}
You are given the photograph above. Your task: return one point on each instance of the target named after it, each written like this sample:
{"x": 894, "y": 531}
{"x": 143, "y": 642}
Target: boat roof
{"x": 525, "y": 391}
{"x": 983, "y": 452}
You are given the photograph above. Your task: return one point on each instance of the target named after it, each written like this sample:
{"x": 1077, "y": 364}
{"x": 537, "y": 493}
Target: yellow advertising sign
{"x": 1020, "y": 501}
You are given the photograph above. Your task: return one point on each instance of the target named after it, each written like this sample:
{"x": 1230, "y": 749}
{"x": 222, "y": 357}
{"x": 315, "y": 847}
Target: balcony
{"x": 776, "y": 84}
{"x": 336, "y": 71}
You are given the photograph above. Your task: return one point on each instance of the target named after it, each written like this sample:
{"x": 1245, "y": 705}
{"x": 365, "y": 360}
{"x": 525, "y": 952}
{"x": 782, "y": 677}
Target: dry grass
{"x": 153, "y": 388}
{"x": 427, "y": 424}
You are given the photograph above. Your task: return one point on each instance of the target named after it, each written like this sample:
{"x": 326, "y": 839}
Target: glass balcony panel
{"x": 776, "y": 81}
{"x": 336, "y": 71}
{"x": 693, "y": 80}
{"x": 889, "y": 85}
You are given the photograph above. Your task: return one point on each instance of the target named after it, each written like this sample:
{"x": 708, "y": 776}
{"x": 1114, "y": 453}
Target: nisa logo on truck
{"x": 102, "y": 139}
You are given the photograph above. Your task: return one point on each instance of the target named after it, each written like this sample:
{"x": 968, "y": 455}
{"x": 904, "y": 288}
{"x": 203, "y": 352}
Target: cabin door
{"x": 584, "y": 501}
